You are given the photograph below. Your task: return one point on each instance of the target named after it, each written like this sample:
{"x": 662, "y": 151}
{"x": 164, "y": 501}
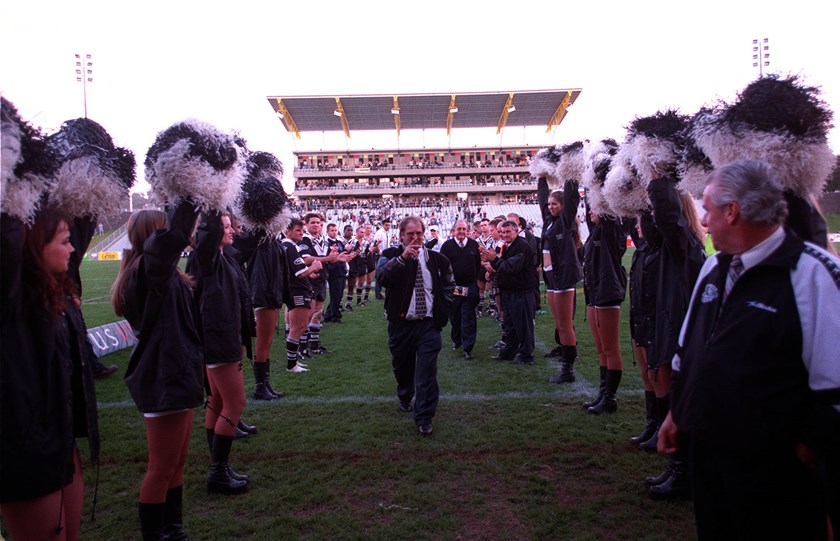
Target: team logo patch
{"x": 299, "y": 261}
{"x": 710, "y": 293}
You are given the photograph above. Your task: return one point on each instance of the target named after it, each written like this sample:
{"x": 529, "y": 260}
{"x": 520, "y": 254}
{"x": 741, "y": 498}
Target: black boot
{"x": 277, "y": 394}
{"x": 661, "y": 408}
{"x": 244, "y": 427}
{"x": 677, "y": 486}
{"x": 602, "y": 389}
{"x": 567, "y": 366}
{"x": 151, "y": 521}
{"x": 608, "y": 403}
{"x": 260, "y": 378}
{"x": 650, "y": 426}
{"x": 211, "y": 435}
{"x": 173, "y": 528}
{"x": 218, "y": 478}
{"x": 661, "y": 478}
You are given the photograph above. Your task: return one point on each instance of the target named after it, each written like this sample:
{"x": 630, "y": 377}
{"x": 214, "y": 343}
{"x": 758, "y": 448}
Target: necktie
{"x": 419, "y": 294}
{"x": 736, "y": 267}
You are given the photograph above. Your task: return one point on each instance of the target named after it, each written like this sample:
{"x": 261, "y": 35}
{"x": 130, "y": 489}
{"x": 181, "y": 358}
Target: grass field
{"x": 512, "y": 456}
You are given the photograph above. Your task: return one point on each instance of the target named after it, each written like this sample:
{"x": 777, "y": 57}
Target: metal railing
{"x": 102, "y": 245}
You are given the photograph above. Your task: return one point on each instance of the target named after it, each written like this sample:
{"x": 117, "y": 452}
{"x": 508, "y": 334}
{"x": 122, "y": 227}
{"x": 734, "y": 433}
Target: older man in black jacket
{"x": 516, "y": 281}
{"x": 418, "y": 298}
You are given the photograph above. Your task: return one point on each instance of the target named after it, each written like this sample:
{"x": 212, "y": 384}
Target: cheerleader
{"x": 605, "y": 285}
{"x": 192, "y": 165}
{"x": 220, "y": 288}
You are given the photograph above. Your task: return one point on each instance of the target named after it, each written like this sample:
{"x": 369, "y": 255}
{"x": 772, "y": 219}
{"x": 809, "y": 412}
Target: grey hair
{"x": 411, "y": 219}
{"x": 756, "y": 189}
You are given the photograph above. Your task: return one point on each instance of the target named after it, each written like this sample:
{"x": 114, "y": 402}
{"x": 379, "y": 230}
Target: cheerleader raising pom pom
{"x": 544, "y": 165}
{"x": 263, "y": 204}
{"x": 28, "y": 165}
{"x": 194, "y": 161}
{"x": 94, "y": 175}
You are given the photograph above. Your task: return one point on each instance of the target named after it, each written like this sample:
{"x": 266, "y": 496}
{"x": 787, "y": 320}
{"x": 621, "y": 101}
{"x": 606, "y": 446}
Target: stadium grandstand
{"x": 439, "y": 184}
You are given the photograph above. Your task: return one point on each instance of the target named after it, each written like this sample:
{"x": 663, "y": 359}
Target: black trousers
{"x": 462, "y": 318}
{"x": 415, "y": 346}
{"x": 768, "y": 494}
{"x": 337, "y": 284}
{"x": 519, "y": 324}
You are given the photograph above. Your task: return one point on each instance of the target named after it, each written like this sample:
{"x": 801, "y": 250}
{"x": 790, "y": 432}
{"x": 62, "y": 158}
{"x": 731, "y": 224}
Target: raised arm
{"x": 163, "y": 249}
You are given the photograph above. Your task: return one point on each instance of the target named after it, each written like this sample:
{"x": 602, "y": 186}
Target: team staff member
{"x": 515, "y": 271}
{"x": 336, "y": 274}
{"x": 418, "y": 297}
{"x": 561, "y": 267}
{"x": 462, "y": 253}
{"x": 47, "y": 394}
{"x": 757, "y": 374}
{"x": 299, "y": 300}
{"x": 605, "y": 286}
{"x": 220, "y": 288}
{"x": 165, "y": 374}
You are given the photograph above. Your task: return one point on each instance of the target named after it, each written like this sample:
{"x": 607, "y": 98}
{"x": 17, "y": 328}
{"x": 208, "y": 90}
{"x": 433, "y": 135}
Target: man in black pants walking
{"x": 418, "y": 296}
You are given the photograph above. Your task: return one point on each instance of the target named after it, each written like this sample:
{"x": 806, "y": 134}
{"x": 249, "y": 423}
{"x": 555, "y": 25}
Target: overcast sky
{"x": 157, "y": 62}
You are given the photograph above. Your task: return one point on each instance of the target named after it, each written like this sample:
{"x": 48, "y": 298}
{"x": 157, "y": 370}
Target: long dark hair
{"x": 141, "y": 225}
{"x": 52, "y": 288}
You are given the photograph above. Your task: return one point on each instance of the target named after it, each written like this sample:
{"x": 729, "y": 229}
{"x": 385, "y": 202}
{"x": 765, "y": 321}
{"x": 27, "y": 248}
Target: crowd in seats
{"x": 411, "y": 181}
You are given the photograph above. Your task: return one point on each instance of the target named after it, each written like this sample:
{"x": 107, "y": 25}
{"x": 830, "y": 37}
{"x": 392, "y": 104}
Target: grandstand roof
{"x": 424, "y": 111}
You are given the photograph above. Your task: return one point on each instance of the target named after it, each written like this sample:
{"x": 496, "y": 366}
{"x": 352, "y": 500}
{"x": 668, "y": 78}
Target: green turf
{"x": 512, "y": 456}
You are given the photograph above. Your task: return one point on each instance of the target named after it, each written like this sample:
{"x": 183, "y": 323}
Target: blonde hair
{"x": 689, "y": 210}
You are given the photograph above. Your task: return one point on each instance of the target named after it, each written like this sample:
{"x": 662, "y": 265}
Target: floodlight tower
{"x": 761, "y": 55}
{"x": 84, "y": 74}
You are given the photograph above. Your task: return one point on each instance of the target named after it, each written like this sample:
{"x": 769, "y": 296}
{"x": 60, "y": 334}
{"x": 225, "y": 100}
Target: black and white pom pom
{"x": 623, "y": 190}
{"x": 263, "y": 205}
{"x": 778, "y": 121}
{"x": 28, "y": 165}
{"x": 694, "y": 165}
{"x": 544, "y": 164}
{"x": 194, "y": 161}
{"x": 572, "y": 162}
{"x": 596, "y": 167}
{"x": 656, "y": 144}
{"x": 94, "y": 175}
{"x": 261, "y": 164}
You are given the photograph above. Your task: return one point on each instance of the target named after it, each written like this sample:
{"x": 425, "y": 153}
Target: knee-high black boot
{"x": 662, "y": 406}
{"x": 268, "y": 387}
{"x": 151, "y": 521}
{"x": 260, "y": 377}
{"x": 173, "y": 521}
{"x": 219, "y": 478}
{"x": 650, "y": 425}
{"x": 608, "y": 403}
{"x": 567, "y": 366}
{"x": 211, "y": 436}
{"x": 602, "y": 389}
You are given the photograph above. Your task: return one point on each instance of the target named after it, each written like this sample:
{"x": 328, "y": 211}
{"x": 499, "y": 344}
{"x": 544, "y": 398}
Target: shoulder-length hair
{"x": 52, "y": 288}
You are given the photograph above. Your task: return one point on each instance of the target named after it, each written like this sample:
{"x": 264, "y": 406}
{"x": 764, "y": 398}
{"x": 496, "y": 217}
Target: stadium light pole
{"x": 761, "y": 55}
{"x": 84, "y": 74}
